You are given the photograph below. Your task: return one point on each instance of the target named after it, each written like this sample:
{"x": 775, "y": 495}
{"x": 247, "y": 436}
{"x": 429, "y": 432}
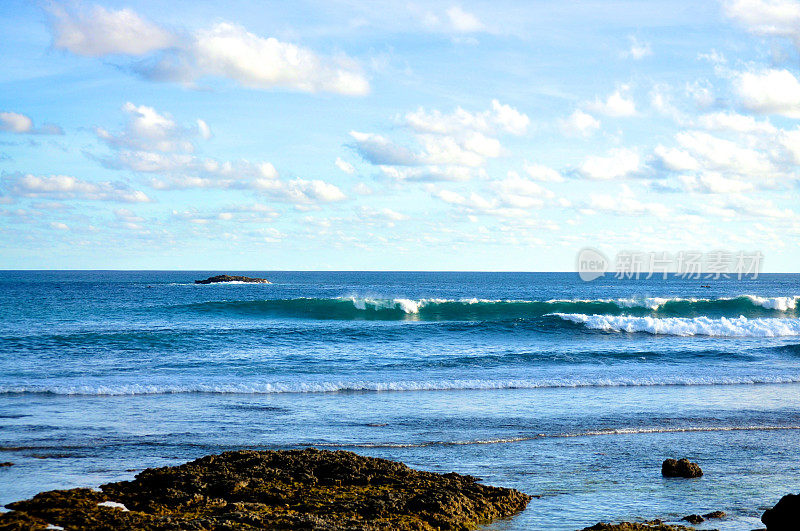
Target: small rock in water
{"x": 228, "y": 278}
{"x": 715, "y": 514}
{"x": 694, "y": 519}
{"x": 6, "y": 463}
{"x": 681, "y": 468}
{"x": 785, "y": 516}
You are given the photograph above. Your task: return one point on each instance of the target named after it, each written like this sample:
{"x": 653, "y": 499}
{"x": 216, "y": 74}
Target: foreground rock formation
{"x": 294, "y": 489}
{"x": 228, "y": 278}
{"x": 681, "y": 468}
{"x": 785, "y": 516}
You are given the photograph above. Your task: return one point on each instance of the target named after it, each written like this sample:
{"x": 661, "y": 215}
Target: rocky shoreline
{"x": 291, "y": 489}
{"x": 310, "y": 489}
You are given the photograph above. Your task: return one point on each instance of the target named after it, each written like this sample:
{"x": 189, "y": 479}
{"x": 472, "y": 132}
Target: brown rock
{"x": 681, "y": 468}
{"x": 694, "y": 519}
{"x": 715, "y": 514}
{"x": 294, "y": 489}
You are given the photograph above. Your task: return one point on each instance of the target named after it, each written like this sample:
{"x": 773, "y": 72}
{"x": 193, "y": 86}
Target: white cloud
{"x": 675, "y": 159}
{"x": 429, "y": 173}
{"x": 345, "y": 166}
{"x": 225, "y": 50}
{"x": 67, "y": 187}
{"x": 59, "y": 225}
{"x": 702, "y": 93}
{"x": 724, "y": 155}
{"x": 104, "y": 32}
{"x": 462, "y": 21}
{"x": 625, "y": 203}
{"x": 618, "y": 103}
{"x": 230, "y": 51}
{"x": 449, "y": 146}
{"x": 638, "y": 50}
{"x": 579, "y": 123}
{"x": 538, "y": 172}
{"x": 618, "y": 164}
{"x": 757, "y": 207}
{"x": 204, "y": 130}
{"x": 733, "y": 122}
{"x": 498, "y": 117}
{"x": 779, "y": 18}
{"x": 14, "y": 122}
{"x": 377, "y": 149}
{"x": 705, "y": 183}
{"x": 769, "y": 92}
{"x": 149, "y": 130}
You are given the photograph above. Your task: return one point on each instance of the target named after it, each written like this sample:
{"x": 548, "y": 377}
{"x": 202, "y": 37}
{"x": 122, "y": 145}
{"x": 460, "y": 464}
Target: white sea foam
{"x": 775, "y": 303}
{"x": 588, "y": 433}
{"x": 396, "y": 386}
{"x": 686, "y": 326}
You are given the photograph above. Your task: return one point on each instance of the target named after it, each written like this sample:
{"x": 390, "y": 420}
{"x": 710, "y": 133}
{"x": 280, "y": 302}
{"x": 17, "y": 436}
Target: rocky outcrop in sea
{"x": 292, "y": 489}
{"x": 232, "y": 278}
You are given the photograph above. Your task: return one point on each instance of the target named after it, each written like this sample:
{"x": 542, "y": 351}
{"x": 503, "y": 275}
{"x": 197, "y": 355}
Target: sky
{"x": 485, "y": 136}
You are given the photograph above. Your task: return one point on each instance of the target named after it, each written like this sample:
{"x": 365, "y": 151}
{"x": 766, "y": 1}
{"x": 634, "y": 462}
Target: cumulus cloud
{"x": 499, "y": 117}
{"x": 450, "y": 146}
{"x": 100, "y": 31}
{"x": 149, "y": 130}
{"x": 579, "y": 123}
{"x": 728, "y": 121}
{"x": 14, "y": 122}
{"x": 779, "y": 18}
{"x": 377, "y": 149}
{"x": 769, "y": 92}
{"x": 153, "y": 142}
{"x": 67, "y": 187}
{"x": 462, "y": 21}
{"x": 225, "y": 51}
{"x": 618, "y": 164}
{"x": 618, "y": 103}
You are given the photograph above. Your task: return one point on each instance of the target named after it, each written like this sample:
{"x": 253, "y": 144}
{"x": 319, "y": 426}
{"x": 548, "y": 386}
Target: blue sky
{"x": 371, "y": 135}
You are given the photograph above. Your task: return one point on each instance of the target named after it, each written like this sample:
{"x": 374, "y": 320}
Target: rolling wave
{"x": 267, "y": 388}
{"x": 686, "y": 326}
{"x": 431, "y": 309}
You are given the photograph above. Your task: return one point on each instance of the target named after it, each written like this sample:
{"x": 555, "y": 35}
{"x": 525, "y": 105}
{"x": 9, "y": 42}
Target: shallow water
{"x": 103, "y": 374}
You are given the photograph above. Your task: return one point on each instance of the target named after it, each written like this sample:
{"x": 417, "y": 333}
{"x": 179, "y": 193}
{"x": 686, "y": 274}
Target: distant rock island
{"x": 228, "y": 278}
{"x": 290, "y": 489}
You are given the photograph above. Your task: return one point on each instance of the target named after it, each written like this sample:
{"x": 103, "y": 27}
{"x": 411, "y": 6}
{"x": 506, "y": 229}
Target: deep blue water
{"x": 575, "y": 391}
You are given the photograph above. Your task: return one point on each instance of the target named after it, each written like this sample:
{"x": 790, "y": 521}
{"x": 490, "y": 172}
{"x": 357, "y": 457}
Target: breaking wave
{"x": 366, "y": 308}
{"x": 685, "y": 326}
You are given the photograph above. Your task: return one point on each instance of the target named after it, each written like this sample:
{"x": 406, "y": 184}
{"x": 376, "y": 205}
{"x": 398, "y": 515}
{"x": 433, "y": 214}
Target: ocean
{"x": 568, "y": 390}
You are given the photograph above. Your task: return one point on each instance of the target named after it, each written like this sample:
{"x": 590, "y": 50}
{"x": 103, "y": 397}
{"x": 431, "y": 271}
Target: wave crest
{"x": 683, "y": 326}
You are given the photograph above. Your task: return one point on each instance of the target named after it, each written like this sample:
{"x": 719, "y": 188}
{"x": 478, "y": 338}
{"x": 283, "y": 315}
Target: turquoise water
{"x": 568, "y": 390}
